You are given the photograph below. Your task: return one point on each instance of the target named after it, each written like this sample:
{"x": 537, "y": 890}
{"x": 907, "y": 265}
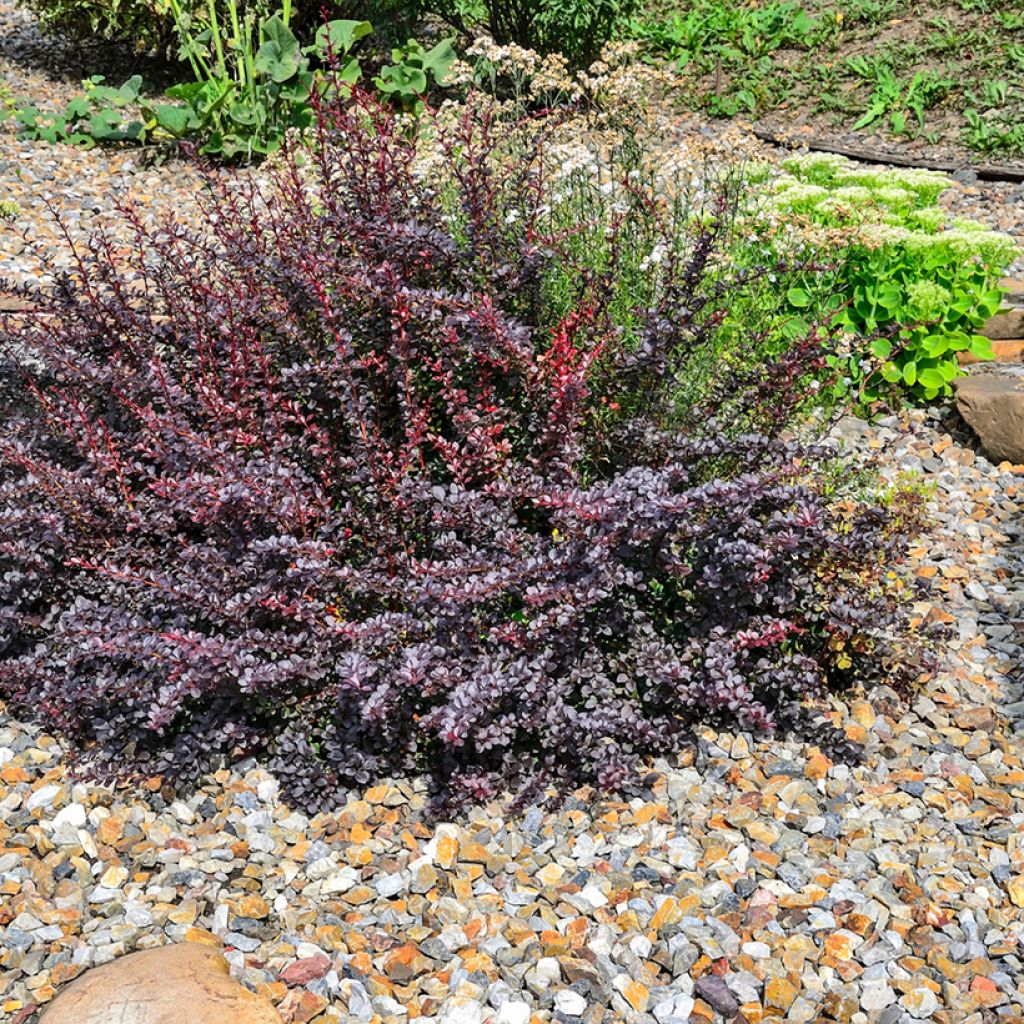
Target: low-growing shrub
{"x": 924, "y": 282}
{"x": 378, "y": 472}
{"x": 147, "y": 23}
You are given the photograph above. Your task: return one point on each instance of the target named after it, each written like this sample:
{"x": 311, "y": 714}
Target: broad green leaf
{"x": 174, "y": 120}
{"x": 798, "y": 297}
{"x": 795, "y": 328}
{"x": 186, "y": 91}
{"x": 280, "y": 56}
{"x": 889, "y": 298}
{"x": 338, "y": 37}
{"x": 105, "y": 125}
{"x": 438, "y": 61}
{"x": 296, "y": 92}
{"x": 130, "y": 90}
{"x": 981, "y": 347}
{"x": 881, "y": 347}
{"x": 910, "y": 373}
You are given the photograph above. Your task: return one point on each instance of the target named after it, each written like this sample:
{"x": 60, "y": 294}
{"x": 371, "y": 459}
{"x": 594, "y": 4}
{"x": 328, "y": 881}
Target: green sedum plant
{"x": 916, "y": 283}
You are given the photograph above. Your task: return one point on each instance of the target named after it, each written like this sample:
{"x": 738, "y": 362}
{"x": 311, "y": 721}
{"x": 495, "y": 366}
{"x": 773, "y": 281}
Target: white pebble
{"x": 570, "y": 1003}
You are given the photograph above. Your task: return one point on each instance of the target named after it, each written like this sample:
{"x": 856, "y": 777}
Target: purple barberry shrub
{"x": 360, "y": 474}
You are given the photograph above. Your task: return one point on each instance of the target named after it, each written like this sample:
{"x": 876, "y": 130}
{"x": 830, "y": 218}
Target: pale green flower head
{"x": 758, "y": 171}
{"x": 990, "y": 248}
{"x": 993, "y": 248}
{"x": 799, "y": 196}
{"x": 927, "y": 300}
{"x": 817, "y": 168}
{"x": 877, "y": 235}
{"x": 930, "y": 219}
{"x": 853, "y": 194}
{"x": 926, "y": 185}
{"x": 913, "y": 187}
{"x": 963, "y": 224}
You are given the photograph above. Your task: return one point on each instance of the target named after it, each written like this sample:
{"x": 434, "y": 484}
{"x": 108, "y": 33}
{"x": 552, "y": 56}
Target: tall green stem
{"x": 215, "y": 33}
{"x": 241, "y": 44}
{"x": 199, "y": 66}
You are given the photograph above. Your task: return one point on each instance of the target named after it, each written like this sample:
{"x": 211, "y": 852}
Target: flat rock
{"x": 179, "y": 984}
{"x": 993, "y": 405}
{"x": 1008, "y": 324}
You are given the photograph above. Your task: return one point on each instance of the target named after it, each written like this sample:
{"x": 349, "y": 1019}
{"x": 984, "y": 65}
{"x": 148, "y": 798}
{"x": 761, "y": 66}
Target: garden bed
{"x": 876, "y": 876}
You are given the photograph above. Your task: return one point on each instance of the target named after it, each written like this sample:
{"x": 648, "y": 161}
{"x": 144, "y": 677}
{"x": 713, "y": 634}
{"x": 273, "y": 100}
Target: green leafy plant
{"x": 720, "y": 41}
{"x": 891, "y": 96}
{"x": 1010, "y": 21}
{"x": 406, "y": 80}
{"x": 911, "y": 288}
{"x": 102, "y": 113}
{"x": 251, "y": 84}
{"x": 148, "y": 23}
{"x": 990, "y": 133}
{"x": 709, "y": 31}
{"x": 151, "y": 26}
{"x": 868, "y": 12}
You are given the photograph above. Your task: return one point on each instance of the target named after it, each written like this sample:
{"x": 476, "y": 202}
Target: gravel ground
{"x": 756, "y": 877}
{"x": 81, "y": 186}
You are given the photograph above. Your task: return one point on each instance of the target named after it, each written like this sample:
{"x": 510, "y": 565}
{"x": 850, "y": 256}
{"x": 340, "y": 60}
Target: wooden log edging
{"x": 986, "y": 172}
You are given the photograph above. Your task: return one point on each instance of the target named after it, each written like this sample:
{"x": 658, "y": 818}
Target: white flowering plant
{"x": 918, "y": 285}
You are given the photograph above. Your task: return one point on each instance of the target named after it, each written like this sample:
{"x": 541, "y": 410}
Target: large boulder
{"x": 993, "y": 405}
{"x": 183, "y": 984}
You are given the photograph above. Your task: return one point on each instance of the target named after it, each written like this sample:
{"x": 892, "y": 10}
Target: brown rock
{"x": 978, "y": 718}
{"x": 1004, "y": 350}
{"x": 11, "y": 303}
{"x": 182, "y": 984}
{"x": 302, "y": 972}
{"x": 253, "y": 906}
{"x": 301, "y": 1006}
{"x": 1008, "y": 324}
{"x": 779, "y": 993}
{"x": 993, "y": 404}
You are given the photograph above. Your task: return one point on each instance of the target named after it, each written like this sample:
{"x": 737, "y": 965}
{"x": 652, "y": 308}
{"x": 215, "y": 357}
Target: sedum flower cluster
{"x": 915, "y": 285}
